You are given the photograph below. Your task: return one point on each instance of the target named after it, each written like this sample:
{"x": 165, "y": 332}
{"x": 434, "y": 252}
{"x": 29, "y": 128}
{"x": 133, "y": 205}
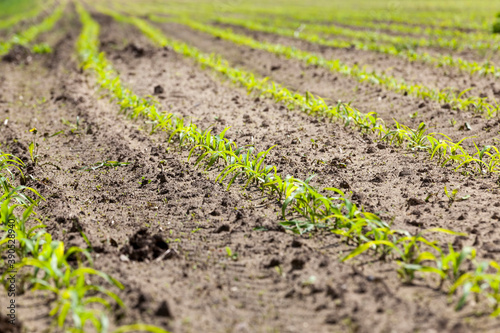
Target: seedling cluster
{"x": 405, "y": 47}
{"x": 82, "y": 297}
{"x": 304, "y": 208}
{"x": 27, "y": 36}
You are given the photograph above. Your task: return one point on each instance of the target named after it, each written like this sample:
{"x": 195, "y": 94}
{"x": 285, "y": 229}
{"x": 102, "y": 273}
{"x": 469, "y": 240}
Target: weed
{"x": 230, "y": 254}
{"x": 33, "y": 147}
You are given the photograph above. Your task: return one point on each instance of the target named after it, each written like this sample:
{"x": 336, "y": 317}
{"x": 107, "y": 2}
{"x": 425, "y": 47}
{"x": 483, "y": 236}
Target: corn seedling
{"x": 475, "y": 104}
{"x": 303, "y": 206}
{"x": 445, "y": 149}
{"x": 231, "y": 254}
{"x": 404, "y": 47}
{"x": 41, "y": 48}
{"x": 46, "y": 261}
{"x": 450, "y": 264}
{"x": 27, "y": 36}
{"x": 33, "y": 147}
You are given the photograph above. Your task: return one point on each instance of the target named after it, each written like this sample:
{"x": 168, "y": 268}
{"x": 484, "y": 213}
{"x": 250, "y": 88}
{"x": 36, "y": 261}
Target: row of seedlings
{"x": 304, "y": 208}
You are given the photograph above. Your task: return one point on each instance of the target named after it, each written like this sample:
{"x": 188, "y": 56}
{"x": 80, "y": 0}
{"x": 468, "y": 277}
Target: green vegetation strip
{"x": 362, "y": 21}
{"x": 27, "y": 36}
{"x": 17, "y": 7}
{"x": 436, "y": 19}
{"x": 400, "y": 46}
{"x": 297, "y": 19}
{"x": 306, "y": 207}
{"x": 484, "y": 160}
{"x": 77, "y": 303}
{"x": 457, "y": 101}
{"x": 478, "y": 37}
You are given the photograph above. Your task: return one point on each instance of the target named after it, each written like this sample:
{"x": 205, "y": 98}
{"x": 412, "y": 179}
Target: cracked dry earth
{"x": 161, "y": 226}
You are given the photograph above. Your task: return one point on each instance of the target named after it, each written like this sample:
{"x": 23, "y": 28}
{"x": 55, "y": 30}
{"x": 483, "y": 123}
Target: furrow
{"x": 364, "y": 245}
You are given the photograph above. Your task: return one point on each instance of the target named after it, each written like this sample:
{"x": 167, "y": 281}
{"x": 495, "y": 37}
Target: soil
{"x": 333, "y": 87}
{"x": 162, "y": 226}
{"x": 431, "y": 76}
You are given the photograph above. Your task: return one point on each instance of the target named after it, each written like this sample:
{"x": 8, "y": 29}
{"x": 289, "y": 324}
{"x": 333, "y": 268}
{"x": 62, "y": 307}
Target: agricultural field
{"x": 249, "y": 166}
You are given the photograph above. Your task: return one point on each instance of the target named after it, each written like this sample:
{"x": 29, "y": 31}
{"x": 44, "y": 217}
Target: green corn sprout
{"x": 413, "y": 139}
{"x": 303, "y": 207}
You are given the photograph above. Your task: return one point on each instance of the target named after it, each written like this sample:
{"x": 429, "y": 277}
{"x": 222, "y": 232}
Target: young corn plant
{"x": 15, "y": 227}
{"x": 450, "y": 264}
{"x": 250, "y": 166}
{"x": 484, "y": 281}
{"x": 301, "y": 198}
{"x": 446, "y": 96}
{"x": 33, "y": 147}
{"x": 413, "y": 139}
{"x": 452, "y": 196}
{"x": 27, "y": 36}
{"x": 412, "y": 257}
{"x": 73, "y": 292}
{"x": 46, "y": 261}
{"x": 213, "y": 147}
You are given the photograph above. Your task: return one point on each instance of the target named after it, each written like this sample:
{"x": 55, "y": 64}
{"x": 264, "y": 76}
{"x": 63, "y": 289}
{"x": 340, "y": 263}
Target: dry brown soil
{"x": 161, "y": 226}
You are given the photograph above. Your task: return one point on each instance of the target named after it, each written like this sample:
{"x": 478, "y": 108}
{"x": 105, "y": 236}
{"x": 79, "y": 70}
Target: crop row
{"x": 416, "y": 30}
{"x": 457, "y": 101}
{"x": 360, "y": 20}
{"x": 326, "y": 13}
{"x": 303, "y": 207}
{"x": 464, "y": 42}
{"x": 76, "y": 300}
{"x": 26, "y": 37}
{"x": 440, "y": 19}
{"x": 300, "y": 26}
{"x": 398, "y": 46}
{"x": 484, "y": 160}
{"x": 10, "y": 21}
{"x": 450, "y": 39}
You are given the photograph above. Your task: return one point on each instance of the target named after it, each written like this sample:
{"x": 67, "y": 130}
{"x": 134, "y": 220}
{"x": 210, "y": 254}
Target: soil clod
{"x": 158, "y": 90}
{"x": 142, "y": 245}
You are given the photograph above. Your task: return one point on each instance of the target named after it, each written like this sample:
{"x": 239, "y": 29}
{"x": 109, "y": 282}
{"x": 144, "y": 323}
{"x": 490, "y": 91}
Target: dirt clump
{"x": 18, "y": 55}
{"x": 143, "y": 246}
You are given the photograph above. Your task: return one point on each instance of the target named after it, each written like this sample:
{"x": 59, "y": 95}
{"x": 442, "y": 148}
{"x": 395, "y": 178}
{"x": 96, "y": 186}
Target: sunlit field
{"x": 249, "y": 166}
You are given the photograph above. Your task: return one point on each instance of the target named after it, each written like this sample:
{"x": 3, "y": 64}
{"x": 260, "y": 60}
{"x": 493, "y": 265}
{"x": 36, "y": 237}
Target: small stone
{"x": 124, "y": 258}
{"x": 405, "y": 172}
